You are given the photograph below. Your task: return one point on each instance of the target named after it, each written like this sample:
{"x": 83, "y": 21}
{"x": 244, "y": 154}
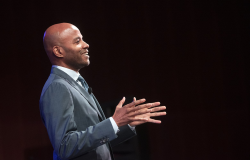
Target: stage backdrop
{"x": 189, "y": 55}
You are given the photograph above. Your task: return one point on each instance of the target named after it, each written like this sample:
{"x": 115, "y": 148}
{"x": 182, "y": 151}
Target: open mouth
{"x": 85, "y": 53}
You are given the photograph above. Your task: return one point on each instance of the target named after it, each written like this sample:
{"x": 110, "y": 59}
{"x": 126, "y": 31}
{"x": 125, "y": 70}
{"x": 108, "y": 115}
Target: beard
{"x": 77, "y": 61}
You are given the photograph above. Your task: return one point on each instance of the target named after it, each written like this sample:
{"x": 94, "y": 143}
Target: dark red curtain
{"x": 192, "y": 56}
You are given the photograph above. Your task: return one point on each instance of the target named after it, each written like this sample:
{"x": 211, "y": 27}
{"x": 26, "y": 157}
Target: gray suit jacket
{"x": 72, "y": 119}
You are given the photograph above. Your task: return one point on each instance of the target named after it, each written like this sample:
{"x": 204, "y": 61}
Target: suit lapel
{"x": 99, "y": 106}
{"x": 80, "y": 89}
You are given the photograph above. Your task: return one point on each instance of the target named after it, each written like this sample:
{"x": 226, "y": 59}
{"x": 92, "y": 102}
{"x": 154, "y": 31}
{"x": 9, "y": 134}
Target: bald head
{"x": 53, "y": 36}
{"x": 64, "y": 46}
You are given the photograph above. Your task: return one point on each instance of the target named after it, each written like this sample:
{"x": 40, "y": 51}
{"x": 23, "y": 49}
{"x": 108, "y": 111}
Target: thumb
{"x": 121, "y": 103}
{"x": 134, "y": 99}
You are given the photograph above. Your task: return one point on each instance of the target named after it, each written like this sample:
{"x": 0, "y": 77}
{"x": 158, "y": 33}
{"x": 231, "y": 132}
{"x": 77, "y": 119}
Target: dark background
{"x": 192, "y": 56}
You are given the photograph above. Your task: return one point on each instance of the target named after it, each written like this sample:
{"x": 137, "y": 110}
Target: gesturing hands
{"x": 135, "y": 115}
{"x": 147, "y": 116}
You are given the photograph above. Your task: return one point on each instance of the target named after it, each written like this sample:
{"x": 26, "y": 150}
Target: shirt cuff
{"x": 115, "y": 127}
{"x": 132, "y": 128}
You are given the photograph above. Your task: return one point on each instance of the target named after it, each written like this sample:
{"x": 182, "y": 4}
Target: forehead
{"x": 70, "y": 34}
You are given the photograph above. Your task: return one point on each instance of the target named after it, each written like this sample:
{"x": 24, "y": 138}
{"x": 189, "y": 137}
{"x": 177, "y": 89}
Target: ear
{"x": 57, "y": 51}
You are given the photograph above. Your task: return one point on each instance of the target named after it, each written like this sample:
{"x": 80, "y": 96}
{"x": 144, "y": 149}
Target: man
{"x": 74, "y": 120}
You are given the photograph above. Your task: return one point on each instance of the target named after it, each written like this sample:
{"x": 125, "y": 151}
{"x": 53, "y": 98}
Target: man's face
{"x": 75, "y": 49}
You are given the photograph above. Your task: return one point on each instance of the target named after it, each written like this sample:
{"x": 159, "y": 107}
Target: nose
{"x": 85, "y": 45}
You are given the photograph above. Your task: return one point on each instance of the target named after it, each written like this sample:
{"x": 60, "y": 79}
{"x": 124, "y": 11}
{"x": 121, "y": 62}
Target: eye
{"x": 78, "y": 41}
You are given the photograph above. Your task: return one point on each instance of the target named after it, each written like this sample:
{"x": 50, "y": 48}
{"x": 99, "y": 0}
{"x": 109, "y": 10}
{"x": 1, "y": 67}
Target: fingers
{"x": 139, "y": 112}
{"x": 155, "y": 104}
{"x": 139, "y": 119}
{"x": 148, "y": 105}
{"x": 160, "y": 108}
{"x": 157, "y": 114}
{"x": 134, "y": 100}
{"x": 134, "y": 103}
{"x": 121, "y": 103}
{"x": 140, "y": 109}
{"x": 154, "y": 121}
{"x": 147, "y": 108}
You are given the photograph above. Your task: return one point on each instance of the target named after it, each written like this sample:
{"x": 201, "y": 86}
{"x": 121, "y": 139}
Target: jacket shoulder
{"x": 53, "y": 80}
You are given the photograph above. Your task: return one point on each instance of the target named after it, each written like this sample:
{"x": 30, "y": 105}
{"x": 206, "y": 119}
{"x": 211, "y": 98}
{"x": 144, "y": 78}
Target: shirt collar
{"x": 70, "y": 72}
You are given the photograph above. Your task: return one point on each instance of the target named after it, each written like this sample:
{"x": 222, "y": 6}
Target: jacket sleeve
{"x": 57, "y": 111}
{"x": 123, "y": 135}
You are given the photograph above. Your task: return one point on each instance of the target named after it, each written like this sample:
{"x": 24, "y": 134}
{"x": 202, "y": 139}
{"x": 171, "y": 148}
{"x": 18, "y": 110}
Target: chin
{"x": 88, "y": 63}
{"x": 85, "y": 64}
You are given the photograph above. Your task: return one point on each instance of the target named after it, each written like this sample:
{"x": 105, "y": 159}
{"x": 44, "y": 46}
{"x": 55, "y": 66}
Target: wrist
{"x": 115, "y": 121}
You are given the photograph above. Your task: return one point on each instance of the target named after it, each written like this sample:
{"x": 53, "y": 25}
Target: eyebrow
{"x": 76, "y": 38}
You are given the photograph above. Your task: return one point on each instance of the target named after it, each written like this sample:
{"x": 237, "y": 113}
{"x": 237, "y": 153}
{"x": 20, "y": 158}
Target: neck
{"x": 67, "y": 66}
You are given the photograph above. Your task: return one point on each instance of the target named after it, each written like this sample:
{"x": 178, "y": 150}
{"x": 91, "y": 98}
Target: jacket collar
{"x": 79, "y": 88}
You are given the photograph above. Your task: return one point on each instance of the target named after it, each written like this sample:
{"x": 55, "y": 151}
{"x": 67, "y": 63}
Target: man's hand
{"x": 151, "y": 114}
{"x": 127, "y": 114}
{"x": 135, "y": 115}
